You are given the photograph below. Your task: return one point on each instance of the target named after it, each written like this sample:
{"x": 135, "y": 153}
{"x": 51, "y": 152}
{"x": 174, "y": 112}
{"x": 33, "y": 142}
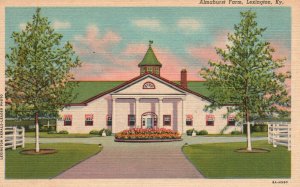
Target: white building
{"x": 146, "y": 101}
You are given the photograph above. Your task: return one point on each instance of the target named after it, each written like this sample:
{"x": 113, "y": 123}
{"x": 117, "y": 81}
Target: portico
{"x": 147, "y": 109}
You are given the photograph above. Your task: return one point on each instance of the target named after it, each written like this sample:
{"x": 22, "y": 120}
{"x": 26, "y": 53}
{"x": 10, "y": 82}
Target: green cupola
{"x": 150, "y": 64}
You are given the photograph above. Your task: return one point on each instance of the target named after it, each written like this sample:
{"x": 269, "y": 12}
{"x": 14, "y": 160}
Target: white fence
{"x": 14, "y": 137}
{"x": 279, "y": 134}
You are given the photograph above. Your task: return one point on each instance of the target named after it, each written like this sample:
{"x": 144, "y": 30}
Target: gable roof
{"x": 88, "y": 91}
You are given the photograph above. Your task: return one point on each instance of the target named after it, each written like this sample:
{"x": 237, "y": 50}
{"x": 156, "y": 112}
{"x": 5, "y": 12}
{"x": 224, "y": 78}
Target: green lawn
{"x": 221, "y": 161}
{"x": 46, "y": 135}
{"x": 19, "y": 166}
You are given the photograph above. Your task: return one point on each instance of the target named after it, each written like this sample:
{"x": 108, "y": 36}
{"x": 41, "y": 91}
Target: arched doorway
{"x": 149, "y": 120}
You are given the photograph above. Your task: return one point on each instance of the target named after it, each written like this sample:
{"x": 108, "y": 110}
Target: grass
{"x": 46, "y": 135}
{"x": 220, "y": 160}
{"x": 19, "y": 166}
{"x": 254, "y": 134}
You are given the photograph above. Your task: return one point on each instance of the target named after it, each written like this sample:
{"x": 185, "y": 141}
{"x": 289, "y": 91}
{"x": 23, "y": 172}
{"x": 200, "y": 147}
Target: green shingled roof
{"x": 149, "y": 59}
{"x": 89, "y": 89}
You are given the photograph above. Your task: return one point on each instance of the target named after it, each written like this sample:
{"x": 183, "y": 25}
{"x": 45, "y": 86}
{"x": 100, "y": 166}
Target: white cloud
{"x": 189, "y": 24}
{"x": 61, "y": 24}
{"x": 151, "y": 24}
{"x": 22, "y": 26}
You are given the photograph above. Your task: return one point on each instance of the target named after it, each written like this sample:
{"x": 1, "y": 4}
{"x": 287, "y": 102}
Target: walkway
{"x": 136, "y": 160}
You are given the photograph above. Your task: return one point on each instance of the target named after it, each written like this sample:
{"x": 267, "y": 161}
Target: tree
{"x": 38, "y": 70}
{"x": 247, "y": 76}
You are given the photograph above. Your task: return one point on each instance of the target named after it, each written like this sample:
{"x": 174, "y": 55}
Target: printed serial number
{"x": 279, "y": 182}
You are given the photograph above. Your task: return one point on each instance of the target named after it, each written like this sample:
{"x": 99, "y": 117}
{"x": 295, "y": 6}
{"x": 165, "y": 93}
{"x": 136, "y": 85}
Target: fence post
{"x": 23, "y": 137}
{"x": 289, "y": 137}
{"x": 14, "y": 138}
{"x": 269, "y": 134}
{"x": 275, "y": 128}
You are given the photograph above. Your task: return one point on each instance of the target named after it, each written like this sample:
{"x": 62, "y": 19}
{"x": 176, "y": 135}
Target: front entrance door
{"x": 149, "y": 120}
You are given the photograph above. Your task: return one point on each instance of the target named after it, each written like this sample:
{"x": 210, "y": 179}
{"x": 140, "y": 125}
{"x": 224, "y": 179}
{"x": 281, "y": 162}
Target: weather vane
{"x": 150, "y": 42}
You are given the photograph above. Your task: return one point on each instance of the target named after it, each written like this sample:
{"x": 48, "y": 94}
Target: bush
{"x": 236, "y": 132}
{"x": 52, "y": 132}
{"x": 94, "y": 132}
{"x": 46, "y": 128}
{"x": 264, "y": 128}
{"x": 202, "y": 132}
{"x": 256, "y": 128}
{"x": 63, "y": 132}
{"x": 260, "y": 127}
{"x": 43, "y": 129}
{"x": 189, "y": 132}
{"x": 52, "y": 128}
{"x": 107, "y": 132}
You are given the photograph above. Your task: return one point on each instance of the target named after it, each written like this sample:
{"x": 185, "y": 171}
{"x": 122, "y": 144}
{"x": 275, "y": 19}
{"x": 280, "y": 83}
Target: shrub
{"x": 63, "y": 132}
{"x": 51, "y": 128}
{"x": 46, "y": 128}
{"x": 52, "y": 132}
{"x": 43, "y": 129}
{"x": 264, "y": 128}
{"x": 189, "y": 132}
{"x": 107, "y": 132}
{"x": 202, "y": 132}
{"x": 236, "y": 132}
{"x": 94, "y": 132}
{"x": 256, "y": 128}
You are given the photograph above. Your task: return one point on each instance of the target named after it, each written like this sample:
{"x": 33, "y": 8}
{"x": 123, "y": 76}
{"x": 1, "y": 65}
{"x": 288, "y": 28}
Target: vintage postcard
{"x": 148, "y": 93}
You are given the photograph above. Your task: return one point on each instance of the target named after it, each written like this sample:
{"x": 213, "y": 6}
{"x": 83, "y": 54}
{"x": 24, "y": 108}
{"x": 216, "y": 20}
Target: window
{"x": 131, "y": 119}
{"x": 149, "y": 69}
{"x": 148, "y": 85}
{"x": 189, "y": 120}
{"x": 109, "y": 120}
{"x": 156, "y": 70}
{"x": 68, "y": 120}
{"x": 210, "y": 119}
{"x": 89, "y": 119}
{"x": 167, "y": 120}
{"x": 231, "y": 120}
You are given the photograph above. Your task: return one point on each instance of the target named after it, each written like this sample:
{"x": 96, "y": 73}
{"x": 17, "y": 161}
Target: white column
{"x": 183, "y": 116}
{"x": 137, "y": 113}
{"x": 159, "y": 119}
{"x": 113, "y": 105}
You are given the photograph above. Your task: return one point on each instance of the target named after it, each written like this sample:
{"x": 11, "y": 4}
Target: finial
{"x": 150, "y": 42}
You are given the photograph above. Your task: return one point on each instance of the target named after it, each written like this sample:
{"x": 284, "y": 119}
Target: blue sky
{"x": 111, "y": 41}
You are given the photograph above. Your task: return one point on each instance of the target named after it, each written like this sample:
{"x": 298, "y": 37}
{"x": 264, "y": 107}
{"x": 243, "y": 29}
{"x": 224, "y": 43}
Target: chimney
{"x": 183, "y": 80}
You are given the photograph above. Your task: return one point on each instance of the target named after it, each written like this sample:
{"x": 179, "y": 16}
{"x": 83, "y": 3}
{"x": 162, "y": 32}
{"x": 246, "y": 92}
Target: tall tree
{"x": 38, "y": 70}
{"x": 247, "y": 74}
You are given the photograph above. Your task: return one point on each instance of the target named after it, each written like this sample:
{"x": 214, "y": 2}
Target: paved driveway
{"x": 137, "y": 160}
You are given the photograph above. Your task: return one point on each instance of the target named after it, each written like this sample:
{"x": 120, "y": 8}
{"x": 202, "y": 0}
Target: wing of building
{"x": 146, "y": 101}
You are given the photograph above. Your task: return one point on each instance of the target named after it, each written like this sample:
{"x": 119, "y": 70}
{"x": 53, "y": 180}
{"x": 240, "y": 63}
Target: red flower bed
{"x": 147, "y": 134}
